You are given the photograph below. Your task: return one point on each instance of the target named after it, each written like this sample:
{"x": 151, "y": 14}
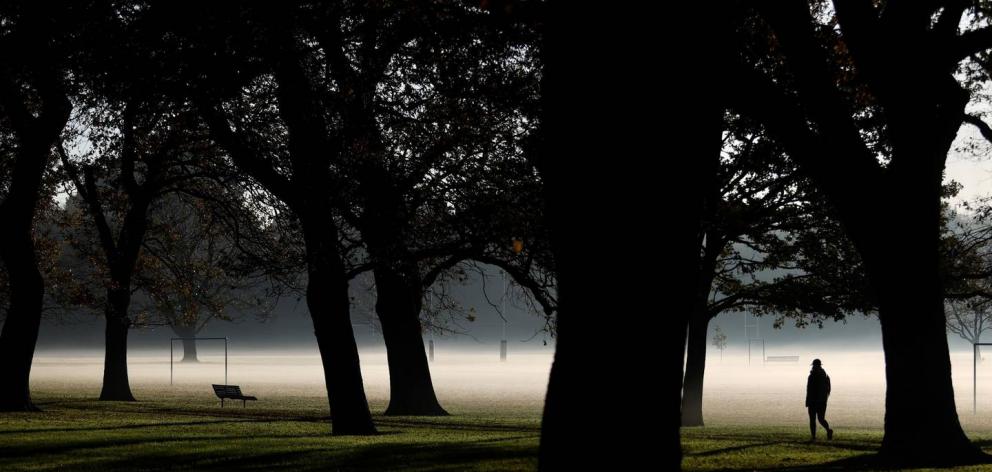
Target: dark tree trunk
{"x": 604, "y": 174}
{"x": 921, "y": 421}
{"x": 116, "y": 386}
{"x": 695, "y": 368}
{"x": 594, "y": 292}
{"x": 398, "y": 303}
{"x": 20, "y": 329}
{"x": 330, "y": 309}
{"x": 307, "y": 194}
{"x": 27, "y": 290}
{"x": 399, "y": 289}
{"x": 189, "y": 351}
{"x": 189, "y": 345}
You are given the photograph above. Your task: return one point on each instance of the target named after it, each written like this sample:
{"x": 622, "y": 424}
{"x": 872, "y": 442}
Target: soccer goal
{"x": 172, "y": 354}
{"x": 974, "y": 375}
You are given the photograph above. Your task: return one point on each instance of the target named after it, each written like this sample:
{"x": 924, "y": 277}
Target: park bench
{"x": 782, "y": 359}
{"x": 231, "y": 392}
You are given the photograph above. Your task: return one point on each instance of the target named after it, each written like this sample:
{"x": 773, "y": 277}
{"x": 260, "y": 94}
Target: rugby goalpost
{"x": 172, "y": 354}
{"x": 974, "y": 375}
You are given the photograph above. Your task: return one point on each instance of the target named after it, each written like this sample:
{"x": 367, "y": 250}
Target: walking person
{"x": 817, "y": 391}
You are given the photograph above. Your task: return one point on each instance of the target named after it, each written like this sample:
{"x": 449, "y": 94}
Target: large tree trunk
{"x": 921, "y": 421}
{"x": 599, "y": 166}
{"x": 27, "y": 290}
{"x": 189, "y": 351}
{"x": 116, "y": 386}
{"x": 330, "y": 309}
{"x": 399, "y": 296}
{"x": 398, "y": 303}
{"x": 189, "y": 345}
{"x": 20, "y": 329}
{"x": 695, "y": 368}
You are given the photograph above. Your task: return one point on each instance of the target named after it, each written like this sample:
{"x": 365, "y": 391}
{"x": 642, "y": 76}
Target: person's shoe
{"x": 830, "y": 434}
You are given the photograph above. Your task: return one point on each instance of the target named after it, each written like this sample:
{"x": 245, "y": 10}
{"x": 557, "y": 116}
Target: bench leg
{"x": 222, "y": 403}
{"x": 244, "y": 403}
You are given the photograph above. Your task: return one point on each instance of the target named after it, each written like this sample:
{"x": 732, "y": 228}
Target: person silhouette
{"x": 817, "y": 391}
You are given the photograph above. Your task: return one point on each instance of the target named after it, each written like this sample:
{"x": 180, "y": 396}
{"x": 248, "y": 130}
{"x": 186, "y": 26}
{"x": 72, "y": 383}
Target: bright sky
{"x": 971, "y": 167}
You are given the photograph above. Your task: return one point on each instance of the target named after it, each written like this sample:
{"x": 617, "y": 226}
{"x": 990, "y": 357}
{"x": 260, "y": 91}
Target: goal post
{"x": 974, "y": 375}
{"x": 751, "y": 342}
{"x": 172, "y": 354}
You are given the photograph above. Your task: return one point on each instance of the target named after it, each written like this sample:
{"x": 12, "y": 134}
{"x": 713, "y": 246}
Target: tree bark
{"x": 695, "y": 368}
{"x": 122, "y": 258}
{"x": 306, "y": 193}
{"x": 398, "y": 303}
{"x": 921, "y": 421}
{"x": 602, "y": 171}
{"x": 189, "y": 351}
{"x": 330, "y": 307}
{"x": 35, "y": 137}
{"x": 385, "y": 225}
{"x": 189, "y": 345}
{"x": 116, "y": 386}
{"x": 20, "y": 329}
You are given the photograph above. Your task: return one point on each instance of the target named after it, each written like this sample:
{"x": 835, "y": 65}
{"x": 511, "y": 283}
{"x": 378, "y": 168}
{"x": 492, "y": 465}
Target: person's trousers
{"x": 817, "y": 412}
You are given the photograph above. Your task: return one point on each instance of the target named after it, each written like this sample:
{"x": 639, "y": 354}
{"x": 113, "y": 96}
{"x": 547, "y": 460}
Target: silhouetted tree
{"x": 598, "y": 154}
{"x": 720, "y": 340}
{"x": 260, "y": 106}
{"x": 969, "y": 319}
{"x": 35, "y": 108}
{"x": 769, "y": 247}
{"x": 138, "y": 148}
{"x": 408, "y": 116}
{"x": 883, "y": 105}
{"x": 195, "y": 272}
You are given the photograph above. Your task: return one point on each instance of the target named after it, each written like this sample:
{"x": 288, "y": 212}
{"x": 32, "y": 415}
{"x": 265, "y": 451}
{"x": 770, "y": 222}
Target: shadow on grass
{"x": 31, "y": 450}
{"x": 863, "y": 462}
{"x": 414, "y": 422}
{"x": 125, "y": 427}
{"x": 860, "y": 462}
{"x": 724, "y": 450}
{"x": 240, "y": 415}
{"x": 152, "y": 408}
{"x": 215, "y": 439}
{"x": 229, "y": 453}
{"x": 397, "y": 456}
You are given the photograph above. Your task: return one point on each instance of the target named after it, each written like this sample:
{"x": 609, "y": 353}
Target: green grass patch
{"x": 187, "y": 430}
{"x": 782, "y": 448}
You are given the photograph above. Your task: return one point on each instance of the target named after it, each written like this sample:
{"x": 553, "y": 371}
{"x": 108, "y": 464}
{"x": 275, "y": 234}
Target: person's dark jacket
{"x": 817, "y": 387}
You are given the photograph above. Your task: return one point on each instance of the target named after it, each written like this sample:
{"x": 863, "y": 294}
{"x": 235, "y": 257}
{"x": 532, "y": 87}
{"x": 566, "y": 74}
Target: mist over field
{"x": 773, "y": 393}
{"x": 736, "y": 392}
{"x": 460, "y": 375}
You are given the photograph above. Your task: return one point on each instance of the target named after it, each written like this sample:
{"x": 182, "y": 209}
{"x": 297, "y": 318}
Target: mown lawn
{"x": 184, "y": 428}
{"x": 187, "y": 430}
{"x": 778, "y": 448}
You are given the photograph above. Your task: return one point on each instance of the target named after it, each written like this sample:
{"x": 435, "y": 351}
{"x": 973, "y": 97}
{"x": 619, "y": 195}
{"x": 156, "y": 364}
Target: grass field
{"x": 778, "y": 448}
{"x": 187, "y": 430}
{"x": 494, "y": 424}
{"x": 755, "y": 419}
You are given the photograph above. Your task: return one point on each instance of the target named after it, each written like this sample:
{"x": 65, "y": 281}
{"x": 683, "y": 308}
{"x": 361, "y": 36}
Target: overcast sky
{"x": 970, "y": 164}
